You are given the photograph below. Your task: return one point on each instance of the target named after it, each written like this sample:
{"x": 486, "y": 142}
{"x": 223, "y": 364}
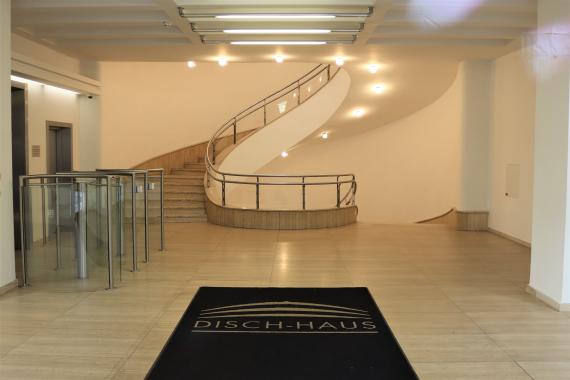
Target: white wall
{"x": 7, "y": 268}
{"x": 152, "y": 108}
{"x": 406, "y": 170}
{"x": 511, "y": 143}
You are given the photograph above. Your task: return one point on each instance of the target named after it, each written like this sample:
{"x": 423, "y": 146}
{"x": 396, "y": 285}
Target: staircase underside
{"x": 280, "y": 219}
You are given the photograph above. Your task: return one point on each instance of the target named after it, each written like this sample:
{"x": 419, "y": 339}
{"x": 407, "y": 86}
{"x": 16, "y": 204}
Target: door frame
{"x": 59, "y": 124}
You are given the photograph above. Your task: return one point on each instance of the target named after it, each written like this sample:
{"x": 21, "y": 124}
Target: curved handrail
{"x": 259, "y": 180}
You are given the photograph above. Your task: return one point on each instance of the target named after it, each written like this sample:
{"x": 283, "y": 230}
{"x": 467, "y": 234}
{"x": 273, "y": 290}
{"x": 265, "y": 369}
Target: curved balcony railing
{"x": 259, "y": 115}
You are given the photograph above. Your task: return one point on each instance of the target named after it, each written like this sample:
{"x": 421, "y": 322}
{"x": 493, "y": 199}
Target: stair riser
{"x": 184, "y": 181}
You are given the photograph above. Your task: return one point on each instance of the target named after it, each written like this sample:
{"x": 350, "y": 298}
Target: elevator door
{"x": 59, "y": 159}
{"x": 18, "y": 153}
{"x": 59, "y": 149}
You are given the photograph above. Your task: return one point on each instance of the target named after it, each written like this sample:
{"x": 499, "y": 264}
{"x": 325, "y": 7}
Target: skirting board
{"x": 9, "y": 286}
{"x": 509, "y": 237}
{"x": 547, "y": 300}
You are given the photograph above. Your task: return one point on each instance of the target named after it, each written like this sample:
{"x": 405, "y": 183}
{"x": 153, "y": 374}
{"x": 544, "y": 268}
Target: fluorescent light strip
{"x": 30, "y": 81}
{"x": 277, "y": 31}
{"x": 278, "y": 42}
{"x": 276, "y": 16}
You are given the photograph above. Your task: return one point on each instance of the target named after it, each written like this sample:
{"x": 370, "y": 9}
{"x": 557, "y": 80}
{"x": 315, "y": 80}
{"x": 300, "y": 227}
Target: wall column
{"x": 7, "y": 268}
{"x": 473, "y": 203}
{"x": 550, "y": 256}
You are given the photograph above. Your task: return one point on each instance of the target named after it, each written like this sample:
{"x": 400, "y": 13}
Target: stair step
{"x": 175, "y": 187}
{"x": 187, "y": 219}
{"x": 175, "y": 212}
{"x": 184, "y": 196}
{"x": 184, "y": 181}
{"x": 195, "y": 165}
{"x": 183, "y": 203}
{"x": 188, "y": 172}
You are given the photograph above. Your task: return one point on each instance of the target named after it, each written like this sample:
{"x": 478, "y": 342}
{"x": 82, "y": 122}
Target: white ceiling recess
{"x": 154, "y": 30}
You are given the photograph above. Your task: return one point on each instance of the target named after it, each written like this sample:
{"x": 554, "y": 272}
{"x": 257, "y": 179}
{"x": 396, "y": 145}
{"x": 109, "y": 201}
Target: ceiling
{"x": 153, "y": 30}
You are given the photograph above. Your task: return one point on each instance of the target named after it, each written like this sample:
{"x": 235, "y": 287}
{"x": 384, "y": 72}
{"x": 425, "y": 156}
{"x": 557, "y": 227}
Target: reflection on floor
{"x": 455, "y": 301}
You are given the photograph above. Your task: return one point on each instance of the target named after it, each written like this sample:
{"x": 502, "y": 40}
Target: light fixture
{"x": 378, "y": 88}
{"x": 309, "y": 89}
{"x": 358, "y": 112}
{"x": 276, "y": 16}
{"x": 373, "y": 68}
{"x": 278, "y": 42}
{"x": 284, "y": 154}
{"x": 191, "y": 64}
{"x": 279, "y": 58}
{"x": 320, "y": 78}
{"x": 295, "y": 94}
{"x": 339, "y": 61}
{"x": 222, "y": 61}
{"x": 277, "y": 31}
{"x": 30, "y": 81}
{"x": 324, "y": 135}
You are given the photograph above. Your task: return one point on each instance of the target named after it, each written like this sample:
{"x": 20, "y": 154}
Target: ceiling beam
{"x": 170, "y": 8}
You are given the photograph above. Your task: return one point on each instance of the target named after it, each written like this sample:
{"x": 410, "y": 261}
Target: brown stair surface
{"x": 184, "y": 194}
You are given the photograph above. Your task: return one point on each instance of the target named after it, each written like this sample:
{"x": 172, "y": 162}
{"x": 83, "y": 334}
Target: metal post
{"x": 264, "y": 114}
{"x": 328, "y": 72}
{"x": 235, "y": 131}
{"x": 22, "y": 238}
{"x": 303, "y": 179}
{"x": 109, "y": 234}
{"x": 337, "y": 192}
{"x": 57, "y": 226}
{"x": 98, "y": 212}
{"x": 223, "y": 190}
{"x": 298, "y": 93}
{"x": 257, "y": 193}
{"x": 134, "y": 218}
{"x": 146, "y": 250}
{"x": 81, "y": 230}
{"x": 162, "y": 210}
{"x": 44, "y": 227}
{"x": 121, "y": 229}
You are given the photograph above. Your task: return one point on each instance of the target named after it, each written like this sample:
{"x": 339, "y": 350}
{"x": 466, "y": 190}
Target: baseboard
{"x": 548, "y": 300}
{"x": 9, "y": 286}
{"x": 509, "y": 237}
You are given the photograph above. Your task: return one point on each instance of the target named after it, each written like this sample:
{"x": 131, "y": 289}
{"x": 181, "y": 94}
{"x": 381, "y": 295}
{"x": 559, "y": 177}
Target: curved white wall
{"x": 407, "y": 170}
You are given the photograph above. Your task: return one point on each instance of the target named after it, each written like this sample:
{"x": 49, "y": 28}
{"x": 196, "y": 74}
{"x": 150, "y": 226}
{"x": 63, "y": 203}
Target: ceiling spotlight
{"x": 222, "y": 61}
{"x": 278, "y": 42}
{"x": 284, "y": 154}
{"x": 277, "y": 31}
{"x": 324, "y": 135}
{"x": 378, "y": 88}
{"x": 339, "y": 61}
{"x": 309, "y": 89}
{"x": 191, "y": 64}
{"x": 358, "y": 112}
{"x": 373, "y": 68}
{"x": 276, "y": 16}
{"x": 279, "y": 58}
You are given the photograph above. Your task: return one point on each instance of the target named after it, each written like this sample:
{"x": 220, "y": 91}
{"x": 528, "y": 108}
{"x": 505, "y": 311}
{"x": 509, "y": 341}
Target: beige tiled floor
{"x": 455, "y": 301}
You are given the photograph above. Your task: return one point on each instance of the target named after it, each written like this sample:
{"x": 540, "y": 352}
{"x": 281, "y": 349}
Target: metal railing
{"x": 300, "y": 90}
{"x": 69, "y": 210}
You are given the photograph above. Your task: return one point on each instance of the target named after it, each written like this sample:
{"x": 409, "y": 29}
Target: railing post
{"x": 303, "y": 180}
{"x": 257, "y": 193}
{"x": 146, "y": 232}
{"x": 134, "y": 220}
{"x": 162, "y": 209}
{"x": 298, "y": 93}
{"x": 264, "y": 114}
{"x": 22, "y": 232}
{"x": 109, "y": 233}
{"x": 337, "y": 193}
{"x": 235, "y": 131}
{"x": 44, "y": 224}
{"x": 223, "y": 190}
{"x": 57, "y": 226}
{"x": 214, "y": 152}
{"x": 328, "y": 72}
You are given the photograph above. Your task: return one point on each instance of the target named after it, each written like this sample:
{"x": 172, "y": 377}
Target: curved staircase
{"x": 184, "y": 194}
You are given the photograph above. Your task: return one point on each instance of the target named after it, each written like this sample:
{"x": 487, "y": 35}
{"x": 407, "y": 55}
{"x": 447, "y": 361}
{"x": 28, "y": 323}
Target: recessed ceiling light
{"x": 373, "y": 68}
{"x": 309, "y": 89}
{"x": 279, "y": 58}
{"x": 191, "y": 64}
{"x": 277, "y": 31}
{"x": 358, "y": 112}
{"x": 325, "y": 135}
{"x": 276, "y": 16}
{"x": 339, "y": 61}
{"x": 278, "y": 42}
{"x": 284, "y": 154}
{"x": 222, "y": 61}
{"x": 378, "y": 88}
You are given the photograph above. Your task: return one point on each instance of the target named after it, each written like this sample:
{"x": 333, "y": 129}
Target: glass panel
{"x": 140, "y": 220}
{"x": 154, "y": 211}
